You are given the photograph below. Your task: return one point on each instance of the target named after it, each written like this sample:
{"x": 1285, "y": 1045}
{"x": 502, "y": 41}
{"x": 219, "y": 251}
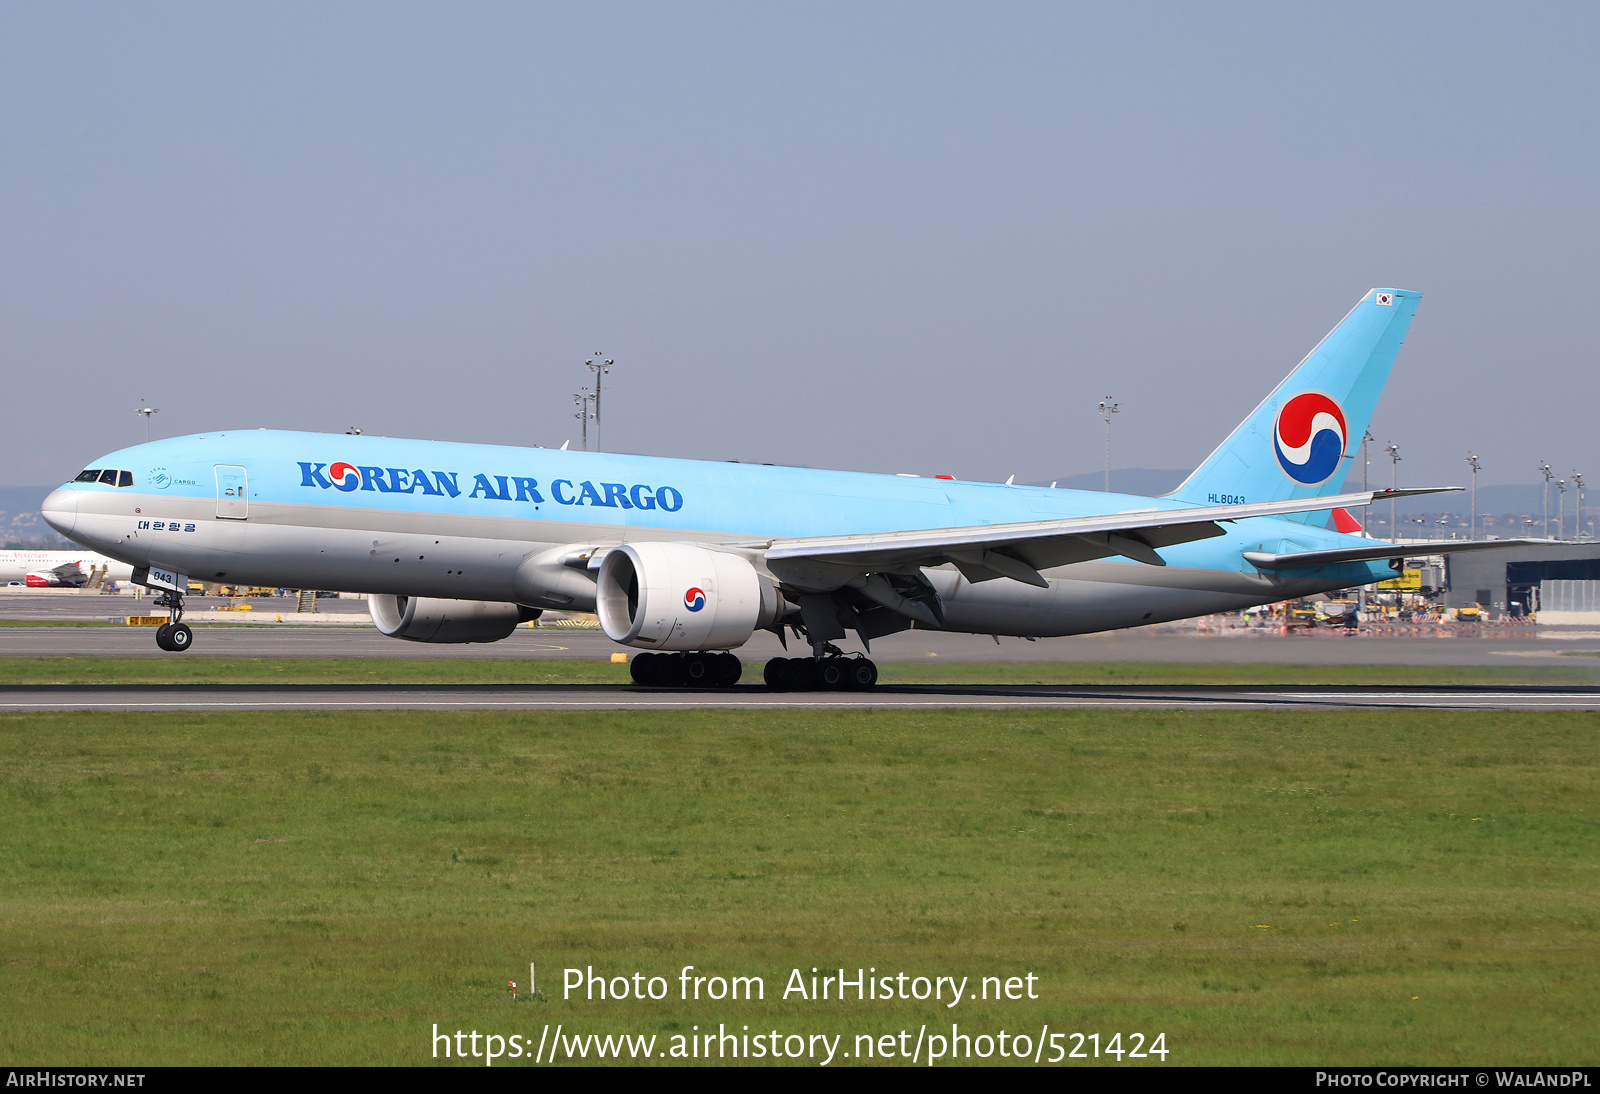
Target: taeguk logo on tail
{"x": 694, "y": 599}
{"x": 1309, "y": 437}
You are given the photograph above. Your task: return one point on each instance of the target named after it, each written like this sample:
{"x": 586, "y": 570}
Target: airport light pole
{"x": 147, "y": 412}
{"x": 583, "y": 397}
{"x": 1544, "y": 469}
{"x": 1561, "y": 509}
{"x": 1472, "y": 522}
{"x": 1394, "y": 479}
{"x": 1366, "y": 458}
{"x": 1108, "y": 408}
{"x": 600, "y": 367}
{"x": 1577, "y": 480}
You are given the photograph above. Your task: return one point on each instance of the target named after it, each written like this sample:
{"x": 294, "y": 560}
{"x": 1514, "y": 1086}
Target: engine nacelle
{"x": 428, "y": 619}
{"x": 680, "y": 596}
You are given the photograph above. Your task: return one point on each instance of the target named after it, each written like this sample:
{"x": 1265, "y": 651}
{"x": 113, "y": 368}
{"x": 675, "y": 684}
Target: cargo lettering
{"x": 487, "y": 487}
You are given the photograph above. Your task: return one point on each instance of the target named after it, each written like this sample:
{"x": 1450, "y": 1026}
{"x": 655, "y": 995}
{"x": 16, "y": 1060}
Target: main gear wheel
{"x": 819, "y": 673}
{"x": 716, "y": 669}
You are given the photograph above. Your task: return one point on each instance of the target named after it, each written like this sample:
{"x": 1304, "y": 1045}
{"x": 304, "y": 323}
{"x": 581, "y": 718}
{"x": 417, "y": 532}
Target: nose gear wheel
{"x": 173, "y": 636}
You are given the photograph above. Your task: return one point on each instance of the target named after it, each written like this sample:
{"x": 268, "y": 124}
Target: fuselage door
{"x": 233, "y": 492}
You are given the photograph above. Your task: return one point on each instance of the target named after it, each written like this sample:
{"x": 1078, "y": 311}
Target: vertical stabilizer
{"x": 1299, "y": 442}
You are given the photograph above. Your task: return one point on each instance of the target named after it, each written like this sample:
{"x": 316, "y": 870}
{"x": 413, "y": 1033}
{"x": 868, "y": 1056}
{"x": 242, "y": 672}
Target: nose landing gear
{"x": 174, "y": 636}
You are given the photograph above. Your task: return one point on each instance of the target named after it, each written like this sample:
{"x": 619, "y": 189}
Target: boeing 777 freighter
{"x": 687, "y": 559}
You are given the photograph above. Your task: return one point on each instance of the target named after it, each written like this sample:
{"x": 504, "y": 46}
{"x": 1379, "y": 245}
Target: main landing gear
{"x": 173, "y": 636}
{"x": 831, "y": 673}
{"x": 693, "y": 670}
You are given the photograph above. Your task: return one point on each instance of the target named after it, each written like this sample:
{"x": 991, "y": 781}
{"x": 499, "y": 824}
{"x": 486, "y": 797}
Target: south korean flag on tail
{"x": 1384, "y": 299}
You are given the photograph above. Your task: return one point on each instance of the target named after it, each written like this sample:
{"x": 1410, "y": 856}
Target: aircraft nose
{"x": 60, "y": 511}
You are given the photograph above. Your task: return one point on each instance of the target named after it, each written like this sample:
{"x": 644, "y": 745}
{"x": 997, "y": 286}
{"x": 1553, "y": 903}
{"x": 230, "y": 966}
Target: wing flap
{"x": 993, "y": 564}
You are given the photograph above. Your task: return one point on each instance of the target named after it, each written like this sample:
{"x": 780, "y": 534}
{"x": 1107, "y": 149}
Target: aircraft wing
{"x": 1021, "y": 550}
{"x": 1305, "y": 559}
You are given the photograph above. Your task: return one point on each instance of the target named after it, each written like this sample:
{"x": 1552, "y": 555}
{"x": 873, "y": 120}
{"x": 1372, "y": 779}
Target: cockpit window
{"x": 109, "y": 476}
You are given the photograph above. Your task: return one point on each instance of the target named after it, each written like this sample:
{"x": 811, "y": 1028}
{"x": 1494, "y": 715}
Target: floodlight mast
{"x": 1394, "y": 482}
{"x": 147, "y": 412}
{"x": 600, "y": 366}
{"x": 1472, "y": 520}
{"x": 1544, "y": 469}
{"x": 1561, "y": 509}
{"x": 1577, "y": 480}
{"x": 584, "y": 399}
{"x": 1108, "y": 408}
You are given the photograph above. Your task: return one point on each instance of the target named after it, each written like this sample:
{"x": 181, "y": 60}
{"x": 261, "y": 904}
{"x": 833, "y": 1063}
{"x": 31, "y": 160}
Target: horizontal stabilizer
{"x": 1412, "y": 492}
{"x": 1302, "y": 560}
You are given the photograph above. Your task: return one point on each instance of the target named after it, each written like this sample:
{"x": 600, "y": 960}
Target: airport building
{"x": 1560, "y": 581}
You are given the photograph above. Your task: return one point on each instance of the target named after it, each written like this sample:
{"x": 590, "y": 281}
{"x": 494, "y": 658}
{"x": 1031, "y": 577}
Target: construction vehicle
{"x": 1301, "y": 613}
{"x": 1340, "y": 613}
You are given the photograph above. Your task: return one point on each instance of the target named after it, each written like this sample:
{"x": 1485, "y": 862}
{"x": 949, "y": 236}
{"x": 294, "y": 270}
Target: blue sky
{"x": 895, "y": 237}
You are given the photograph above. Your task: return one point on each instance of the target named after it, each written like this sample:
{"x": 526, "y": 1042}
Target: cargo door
{"x": 233, "y": 492}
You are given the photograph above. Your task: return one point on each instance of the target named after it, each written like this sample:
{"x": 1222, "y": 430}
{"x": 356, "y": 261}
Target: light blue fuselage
{"x": 453, "y": 520}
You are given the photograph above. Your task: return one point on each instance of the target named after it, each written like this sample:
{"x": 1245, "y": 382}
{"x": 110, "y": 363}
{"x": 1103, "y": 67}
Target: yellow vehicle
{"x": 1472, "y": 613}
{"x": 1302, "y": 613}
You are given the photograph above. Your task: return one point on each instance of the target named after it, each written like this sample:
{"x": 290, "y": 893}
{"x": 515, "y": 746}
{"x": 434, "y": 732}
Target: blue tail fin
{"x": 1299, "y": 442}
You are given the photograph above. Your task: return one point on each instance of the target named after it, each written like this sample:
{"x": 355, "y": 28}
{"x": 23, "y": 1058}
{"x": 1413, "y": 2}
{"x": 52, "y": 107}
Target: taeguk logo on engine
{"x": 694, "y": 599}
{"x": 1309, "y": 437}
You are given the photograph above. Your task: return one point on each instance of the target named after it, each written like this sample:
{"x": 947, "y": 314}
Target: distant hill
{"x": 19, "y": 513}
{"x": 1508, "y": 508}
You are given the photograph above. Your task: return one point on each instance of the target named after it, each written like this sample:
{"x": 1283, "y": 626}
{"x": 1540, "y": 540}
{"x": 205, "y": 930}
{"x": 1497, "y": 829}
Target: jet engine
{"x": 427, "y": 619}
{"x": 680, "y": 596}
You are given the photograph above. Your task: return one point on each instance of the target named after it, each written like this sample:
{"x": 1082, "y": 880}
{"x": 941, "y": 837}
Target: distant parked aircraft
{"x": 59, "y": 569}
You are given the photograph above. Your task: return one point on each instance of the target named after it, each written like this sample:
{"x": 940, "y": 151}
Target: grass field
{"x": 358, "y": 670}
{"x": 1362, "y": 887}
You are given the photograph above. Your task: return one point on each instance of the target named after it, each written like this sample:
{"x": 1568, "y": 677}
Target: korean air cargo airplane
{"x": 687, "y": 559}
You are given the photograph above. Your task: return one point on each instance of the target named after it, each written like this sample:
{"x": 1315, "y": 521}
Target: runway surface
{"x": 1171, "y": 645}
{"x": 535, "y": 697}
